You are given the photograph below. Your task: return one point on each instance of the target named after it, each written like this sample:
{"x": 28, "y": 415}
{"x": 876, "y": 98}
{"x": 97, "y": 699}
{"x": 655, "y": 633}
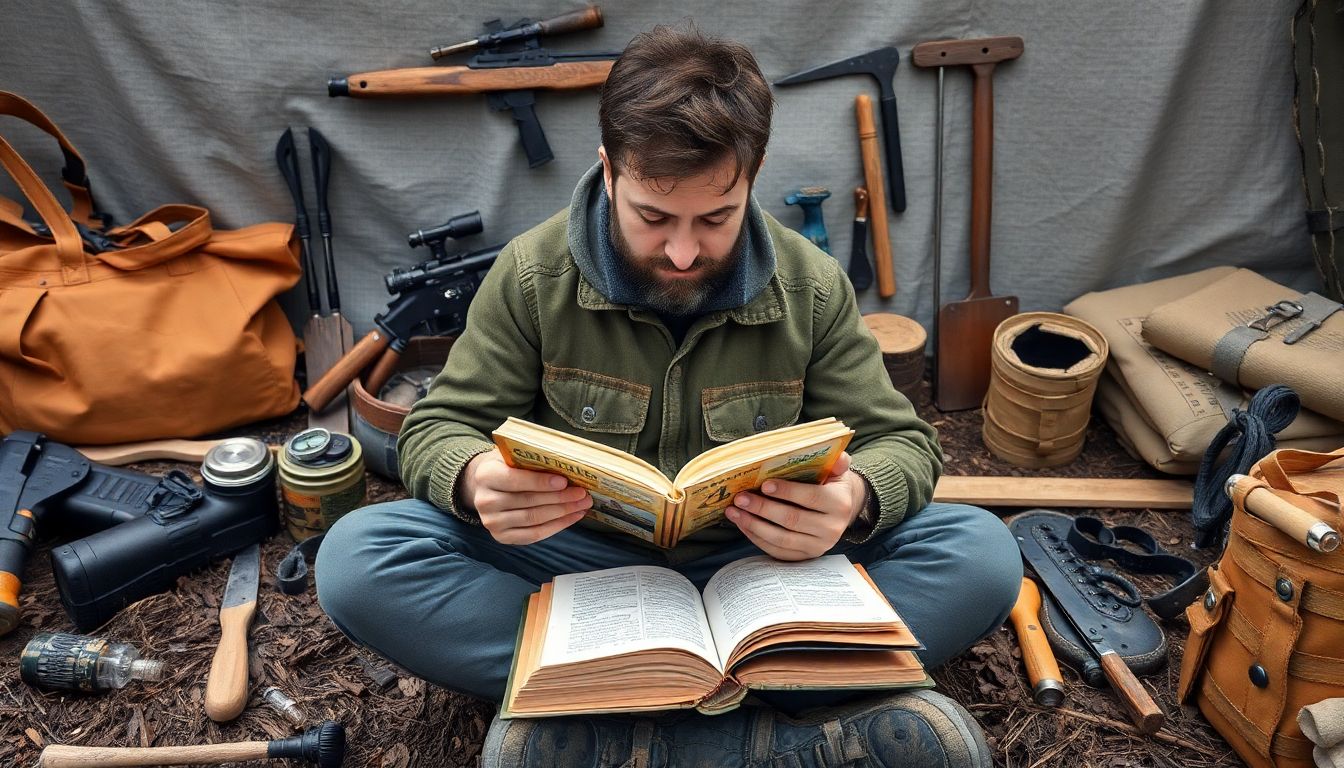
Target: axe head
{"x": 880, "y": 63}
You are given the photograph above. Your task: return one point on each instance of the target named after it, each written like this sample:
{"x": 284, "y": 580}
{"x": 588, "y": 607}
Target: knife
{"x": 860, "y": 271}
{"x": 1145, "y": 713}
{"x": 226, "y": 688}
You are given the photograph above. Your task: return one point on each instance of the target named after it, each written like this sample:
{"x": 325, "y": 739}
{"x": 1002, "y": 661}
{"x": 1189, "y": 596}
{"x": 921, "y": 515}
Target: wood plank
{"x": 1065, "y": 492}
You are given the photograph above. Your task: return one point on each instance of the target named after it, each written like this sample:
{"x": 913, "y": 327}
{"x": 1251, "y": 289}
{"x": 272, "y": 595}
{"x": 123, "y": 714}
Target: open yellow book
{"x": 631, "y": 495}
{"x": 643, "y": 638}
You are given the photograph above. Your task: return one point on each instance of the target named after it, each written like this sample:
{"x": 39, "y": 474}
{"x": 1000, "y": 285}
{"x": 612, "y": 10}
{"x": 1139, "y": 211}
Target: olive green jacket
{"x": 543, "y": 344}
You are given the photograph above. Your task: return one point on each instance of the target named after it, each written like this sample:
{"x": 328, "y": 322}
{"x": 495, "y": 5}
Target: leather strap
{"x": 1092, "y": 539}
{"x": 1309, "y": 310}
{"x": 1318, "y": 599}
{"x": 1231, "y": 348}
{"x": 1315, "y": 309}
{"x": 75, "y": 174}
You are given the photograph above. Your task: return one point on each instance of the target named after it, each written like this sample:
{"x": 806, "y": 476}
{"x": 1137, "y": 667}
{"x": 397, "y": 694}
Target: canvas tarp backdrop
{"x": 1132, "y": 140}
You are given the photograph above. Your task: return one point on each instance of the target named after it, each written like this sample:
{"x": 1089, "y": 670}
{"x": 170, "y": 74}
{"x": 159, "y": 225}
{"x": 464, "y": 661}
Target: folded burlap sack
{"x": 1166, "y": 411}
{"x": 1254, "y": 332}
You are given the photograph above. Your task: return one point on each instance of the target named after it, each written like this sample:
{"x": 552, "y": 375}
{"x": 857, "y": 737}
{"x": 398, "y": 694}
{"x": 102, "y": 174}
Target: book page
{"x": 705, "y": 501}
{"x": 622, "y": 610}
{"x": 757, "y": 592}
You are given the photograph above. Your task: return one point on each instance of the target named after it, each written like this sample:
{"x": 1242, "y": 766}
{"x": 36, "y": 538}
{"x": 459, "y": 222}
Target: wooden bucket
{"x": 1043, "y": 373}
{"x": 902, "y": 341}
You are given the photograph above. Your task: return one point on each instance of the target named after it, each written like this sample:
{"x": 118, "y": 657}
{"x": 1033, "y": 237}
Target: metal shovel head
{"x": 965, "y": 337}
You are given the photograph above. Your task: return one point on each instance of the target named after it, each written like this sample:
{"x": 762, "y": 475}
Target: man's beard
{"x": 650, "y": 275}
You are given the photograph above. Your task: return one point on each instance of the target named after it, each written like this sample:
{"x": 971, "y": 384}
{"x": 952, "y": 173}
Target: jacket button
{"x": 589, "y": 414}
{"x": 1259, "y": 676}
{"x": 760, "y": 424}
{"x": 1284, "y": 589}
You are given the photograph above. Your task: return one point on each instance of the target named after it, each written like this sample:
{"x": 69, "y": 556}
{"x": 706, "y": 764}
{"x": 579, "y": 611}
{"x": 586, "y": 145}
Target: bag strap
{"x": 165, "y": 243}
{"x": 74, "y": 175}
{"x": 1294, "y": 470}
{"x": 69, "y": 247}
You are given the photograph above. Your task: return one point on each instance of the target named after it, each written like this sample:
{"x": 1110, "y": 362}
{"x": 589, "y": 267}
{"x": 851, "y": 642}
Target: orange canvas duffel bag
{"x": 1268, "y": 637}
{"x": 165, "y": 327}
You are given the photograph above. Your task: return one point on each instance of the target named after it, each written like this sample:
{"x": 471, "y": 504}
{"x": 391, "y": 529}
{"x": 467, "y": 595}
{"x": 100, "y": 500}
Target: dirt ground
{"x": 393, "y": 720}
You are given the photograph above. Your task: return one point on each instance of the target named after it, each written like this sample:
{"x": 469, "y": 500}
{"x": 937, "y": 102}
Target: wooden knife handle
{"x": 877, "y": 195}
{"x": 335, "y": 380}
{"x": 1142, "y": 709}
{"x": 226, "y": 688}
{"x": 64, "y": 756}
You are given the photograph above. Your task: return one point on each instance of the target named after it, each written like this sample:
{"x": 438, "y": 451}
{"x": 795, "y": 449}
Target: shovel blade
{"x": 965, "y": 336}
{"x": 322, "y": 344}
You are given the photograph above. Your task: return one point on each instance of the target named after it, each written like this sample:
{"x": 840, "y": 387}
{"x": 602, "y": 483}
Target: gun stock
{"x": 335, "y": 380}
{"x": 448, "y": 81}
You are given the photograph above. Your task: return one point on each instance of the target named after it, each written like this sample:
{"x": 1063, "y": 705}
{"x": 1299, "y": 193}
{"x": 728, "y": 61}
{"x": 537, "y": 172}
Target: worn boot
{"x": 913, "y": 729}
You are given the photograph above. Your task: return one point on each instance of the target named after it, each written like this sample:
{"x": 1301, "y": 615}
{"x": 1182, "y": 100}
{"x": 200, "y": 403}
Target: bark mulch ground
{"x": 395, "y": 720}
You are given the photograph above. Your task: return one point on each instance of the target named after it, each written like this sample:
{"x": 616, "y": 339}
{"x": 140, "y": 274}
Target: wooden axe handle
{"x": 877, "y": 194}
{"x": 334, "y": 381}
{"x": 63, "y": 756}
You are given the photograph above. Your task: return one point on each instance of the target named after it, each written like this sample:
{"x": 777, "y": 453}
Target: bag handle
{"x": 75, "y": 174}
{"x": 164, "y": 243}
{"x": 69, "y": 247}
{"x": 1293, "y": 470}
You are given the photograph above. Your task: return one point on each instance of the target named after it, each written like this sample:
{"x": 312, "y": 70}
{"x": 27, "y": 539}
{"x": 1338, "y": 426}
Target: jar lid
{"x": 237, "y": 461}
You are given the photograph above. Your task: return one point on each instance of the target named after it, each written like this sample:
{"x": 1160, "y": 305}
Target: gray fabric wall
{"x": 1132, "y": 140}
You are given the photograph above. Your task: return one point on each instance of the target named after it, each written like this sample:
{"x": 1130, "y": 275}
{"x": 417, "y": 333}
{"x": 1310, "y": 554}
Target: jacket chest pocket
{"x": 601, "y": 408}
{"x": 739, "y": 410}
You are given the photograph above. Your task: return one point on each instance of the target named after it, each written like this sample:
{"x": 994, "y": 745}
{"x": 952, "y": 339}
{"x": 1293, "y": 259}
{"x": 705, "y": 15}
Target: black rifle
{"x": 510, "y": 65}
{"x": 431, "y": 300}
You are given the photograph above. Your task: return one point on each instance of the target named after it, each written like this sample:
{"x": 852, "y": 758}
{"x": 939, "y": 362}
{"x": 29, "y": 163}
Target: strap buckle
{"x": 1279, "y": 312}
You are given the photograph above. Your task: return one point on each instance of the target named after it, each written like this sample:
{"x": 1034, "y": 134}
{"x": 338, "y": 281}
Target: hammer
{"x": 814, "y": 228}
{"x": 881, "y": 64}
{"x": 323, "y": 746}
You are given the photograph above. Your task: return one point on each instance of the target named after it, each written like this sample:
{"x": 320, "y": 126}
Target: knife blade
{"x": 860, "y": 271}
{"x": 226, "y": 687}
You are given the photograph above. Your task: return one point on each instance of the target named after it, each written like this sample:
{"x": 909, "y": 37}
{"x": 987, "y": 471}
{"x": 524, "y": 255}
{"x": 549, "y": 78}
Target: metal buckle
{"x": 1275, "y": 314}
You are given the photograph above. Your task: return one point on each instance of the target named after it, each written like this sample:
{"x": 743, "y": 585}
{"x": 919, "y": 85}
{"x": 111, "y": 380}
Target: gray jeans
{"x": 443, "y": 599}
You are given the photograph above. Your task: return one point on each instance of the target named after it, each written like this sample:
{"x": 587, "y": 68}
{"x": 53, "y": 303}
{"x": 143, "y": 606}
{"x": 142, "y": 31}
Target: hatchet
{"x": 881, "y": 64}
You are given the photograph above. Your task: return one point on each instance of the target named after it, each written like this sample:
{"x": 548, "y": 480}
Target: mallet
{"x": 323, "y": 746}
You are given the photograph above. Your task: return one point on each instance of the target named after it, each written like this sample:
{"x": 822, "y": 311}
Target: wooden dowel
{"x": 63, "y": 756}
{"x": 877, "y": 194}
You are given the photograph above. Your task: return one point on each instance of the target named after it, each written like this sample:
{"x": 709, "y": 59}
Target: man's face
{"x": 679, "y": 239}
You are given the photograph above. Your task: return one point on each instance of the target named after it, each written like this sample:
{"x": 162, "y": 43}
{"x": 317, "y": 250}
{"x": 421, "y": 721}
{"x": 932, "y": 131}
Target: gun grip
{"x": 520, "y": 103}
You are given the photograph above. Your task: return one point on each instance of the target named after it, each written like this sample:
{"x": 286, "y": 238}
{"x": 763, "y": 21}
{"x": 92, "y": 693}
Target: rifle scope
{"x": 458, "y": 226}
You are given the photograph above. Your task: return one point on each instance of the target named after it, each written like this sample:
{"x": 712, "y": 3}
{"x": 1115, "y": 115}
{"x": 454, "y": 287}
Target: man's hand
{"x": 796, "y": 521}
{"x": 519, "y": 506}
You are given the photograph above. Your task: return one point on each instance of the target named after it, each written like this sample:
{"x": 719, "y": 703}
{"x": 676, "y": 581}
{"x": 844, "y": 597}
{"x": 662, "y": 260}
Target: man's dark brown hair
{"x": 677, "y": 103}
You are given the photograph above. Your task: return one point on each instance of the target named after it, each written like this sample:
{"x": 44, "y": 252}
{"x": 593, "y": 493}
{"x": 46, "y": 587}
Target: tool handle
{"x": 339, "y": 376}
{"x": 64, "y": 756}
{"x": 321, "y": 152}
{"x": 189, "y": 451}
{"x": 286, "y": 157}
{"x": 1145, "y": 713}
{"x": 1042, "y": 669}
{"x": 1260, "y": 500}
{"x": 226, "y": 688}
{"x": 891, "y": 135}
{"x": 447, "y": 81}
{"x": 877, "y": 194}
{"x": 982, "y": 176}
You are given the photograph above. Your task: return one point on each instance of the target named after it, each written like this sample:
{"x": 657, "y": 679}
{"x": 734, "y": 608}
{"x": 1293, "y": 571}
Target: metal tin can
{"x": 321, "y": 479}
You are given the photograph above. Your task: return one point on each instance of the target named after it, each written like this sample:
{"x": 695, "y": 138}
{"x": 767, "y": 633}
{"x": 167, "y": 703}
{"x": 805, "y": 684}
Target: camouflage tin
{"x": 321, "y": 479}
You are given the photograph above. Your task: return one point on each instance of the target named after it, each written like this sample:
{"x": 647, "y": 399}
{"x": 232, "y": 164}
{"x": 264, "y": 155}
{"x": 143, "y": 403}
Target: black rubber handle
{"x": 860, "y": 269}
{"x": 891, "y": 132}
{"x": 321, "y": 175}
{"x": 288, "y": 160}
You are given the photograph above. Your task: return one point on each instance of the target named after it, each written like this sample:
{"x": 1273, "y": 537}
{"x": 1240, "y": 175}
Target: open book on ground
{"x": 643, "y": 638}
{"x": 631, "y": 495}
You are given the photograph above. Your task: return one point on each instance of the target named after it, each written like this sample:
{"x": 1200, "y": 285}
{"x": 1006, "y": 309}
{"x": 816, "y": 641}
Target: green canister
{"x": 321, "y": 479}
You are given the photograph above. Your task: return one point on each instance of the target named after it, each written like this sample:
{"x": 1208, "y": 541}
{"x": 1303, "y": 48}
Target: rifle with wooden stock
{"x": 432, "y": 299}
{"x": 511, "y": 65}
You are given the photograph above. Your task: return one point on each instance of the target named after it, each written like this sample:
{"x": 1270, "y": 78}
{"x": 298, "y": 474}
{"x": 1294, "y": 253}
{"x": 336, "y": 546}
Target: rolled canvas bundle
{"x": 1043, "y": 373}
{"x": 1163, "y": 409}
